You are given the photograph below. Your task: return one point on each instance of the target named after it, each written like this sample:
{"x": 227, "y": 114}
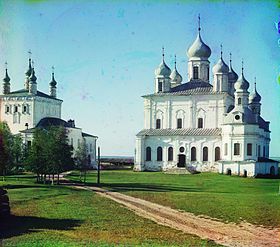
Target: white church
{"x": 203, "y": 126}
{"x": 27, "y": 109}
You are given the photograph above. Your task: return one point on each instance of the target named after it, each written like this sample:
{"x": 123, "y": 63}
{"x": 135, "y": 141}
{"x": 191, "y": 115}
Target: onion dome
{"x": 220, "y": 66}
{"x": 32, "y": 77}
{"x": 232, "y": 76}
{"x": 175, "y": 76}
{"x": 53, "y": 81}
{"x": 163, "y": 69}
{"x": 241, "y": 84}
{"x": 29, "y": 70}
{"x": 254, "y": 96}
{"x": 6, "y": 79}
{"x": 199, "y": 49}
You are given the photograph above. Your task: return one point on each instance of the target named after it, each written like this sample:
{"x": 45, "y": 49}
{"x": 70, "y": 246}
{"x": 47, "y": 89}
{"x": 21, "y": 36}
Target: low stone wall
{"x": 4, "y": 203}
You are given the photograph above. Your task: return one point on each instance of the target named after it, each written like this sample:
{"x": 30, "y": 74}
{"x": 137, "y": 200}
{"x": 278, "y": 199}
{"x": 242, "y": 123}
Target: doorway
{"x": 181, "y": 160}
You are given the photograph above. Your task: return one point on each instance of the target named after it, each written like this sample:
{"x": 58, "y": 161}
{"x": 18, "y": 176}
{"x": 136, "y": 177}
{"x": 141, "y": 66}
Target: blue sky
{"x": 105, "y": 53}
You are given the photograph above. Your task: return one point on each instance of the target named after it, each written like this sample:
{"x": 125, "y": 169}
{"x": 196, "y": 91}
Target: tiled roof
{"x": 192, "y": 87}
{"x": 180, "y": 132}
{"x": 24, "y": 92}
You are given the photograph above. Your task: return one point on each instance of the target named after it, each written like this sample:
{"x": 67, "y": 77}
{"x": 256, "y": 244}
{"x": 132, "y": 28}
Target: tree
{"x": 81, "y": 160}
{"x": 50, "y": 153}
{"x": 10, "y": 149}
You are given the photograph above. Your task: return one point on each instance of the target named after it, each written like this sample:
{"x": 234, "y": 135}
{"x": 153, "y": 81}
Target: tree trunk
{"x": 53, "y": 179}
{"x": 57, "y": 178}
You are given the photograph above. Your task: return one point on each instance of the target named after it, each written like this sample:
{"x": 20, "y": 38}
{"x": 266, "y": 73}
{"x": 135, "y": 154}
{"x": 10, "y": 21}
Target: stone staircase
{"x": 177, "y": 170}
{"x": 4, "y": 203}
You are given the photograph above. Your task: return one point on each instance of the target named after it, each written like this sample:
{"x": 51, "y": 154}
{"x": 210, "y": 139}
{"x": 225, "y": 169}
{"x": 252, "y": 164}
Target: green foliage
{"x": 11, "y": 150}
{"x": 50, "y": 152}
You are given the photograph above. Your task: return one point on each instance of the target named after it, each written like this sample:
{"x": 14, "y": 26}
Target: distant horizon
{"x": 105, "y": 54}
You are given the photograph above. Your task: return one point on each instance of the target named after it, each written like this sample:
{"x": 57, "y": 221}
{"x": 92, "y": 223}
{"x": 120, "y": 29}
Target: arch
{"x": 170, "y": 154}
{"x": 148, "y": 153}
{"x": 205, "y": 154}
{"x": 181, "y": 160}
{"x": 159, "y": 154}
{"x": 245, "y": 173}
{"x": 217, "y": 153}
{"x": 195, "y": 72}
{"x": 239, "y": 101}
{"x": 193, "y": 154}
{"x": 200, "y": 122}
{"x": 272, "y": 171}
{"x": 229, "y": 171}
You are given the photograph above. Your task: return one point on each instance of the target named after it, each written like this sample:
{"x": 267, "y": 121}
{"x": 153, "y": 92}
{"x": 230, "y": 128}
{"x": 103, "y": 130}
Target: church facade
{"x": 203, "y": 126}
{"x": 27, "y": 109}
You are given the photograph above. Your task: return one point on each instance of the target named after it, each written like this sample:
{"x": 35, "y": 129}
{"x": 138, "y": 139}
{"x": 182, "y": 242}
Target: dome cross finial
{"x": 6, "y": 65}
{"x": 175, "y": 61}
{"x": 162, "y": 53}
{"x": 230, "y": 58}
{"x": 53, "y": 72}
{"x": 255, "y": 83}
{"x": 221, "y": 50}
{"x": 199, "y": 28}
{"x": 29, "y": 53}
{"x": 242, "y": 66}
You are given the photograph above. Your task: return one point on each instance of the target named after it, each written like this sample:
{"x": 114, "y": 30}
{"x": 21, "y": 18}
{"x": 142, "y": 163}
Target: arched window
{"x": 179, "y": 123}
{"x": 193, "y": 154}
{"x": 217, "y": 153}
{"x": 170, "y": 154}
{"x": 249, "y": 149}
{"x": 205, "y": 154}
{"x": 195, "y": 72}
{"x": 158, "y": 123}
{"x": 200, "y": 123}
{"x": 239, "y": 101}
{"x": 148, "y": 154}
{"x": 236, "y": 149}
{"x": 160, "y": 86}
{"x": 159, "y": 154}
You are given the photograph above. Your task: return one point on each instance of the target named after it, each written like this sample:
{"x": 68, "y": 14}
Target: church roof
{"x": 194, "y": 86}
{"x": 87, "y": 135}
{"x": 24, "y": 92}
{"x": 181, "y": 132}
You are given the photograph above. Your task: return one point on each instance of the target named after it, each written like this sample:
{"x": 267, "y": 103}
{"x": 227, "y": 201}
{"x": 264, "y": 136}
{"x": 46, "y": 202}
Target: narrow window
{"x": 24, "y": 109}
{"x": 170, "y": 154}
{"x": 159, "y": 154}
{"x": 193, "y": 154}
{"x": 195, "y": 72}
{"x": 200, "y": 123}
{"x": 205, "y": 154}
{"x": 226, "y": 149}
{"x": 16, "y": 109}
{"x": 263, "y": 151}
{"x": 217, "y": 153}
{"x": 148, "y": 154}
{"x": 267, "y": 151}
{"x": 249, "y": 149}
{"x": 160, "y": 86}
{"x": 158, "y": 124}
{"x": 207, "y": 73}
{"x": 236, "y": 149}
{"x": 7, "y": 109}
{"x": 179, "y": 123}
{"x": 90, "y": 147}
{"x": 239, "y": 101}
{"x": 259, "y": 151}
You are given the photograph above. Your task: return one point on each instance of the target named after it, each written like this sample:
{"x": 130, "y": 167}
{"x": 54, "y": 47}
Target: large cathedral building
{"x": 27, "y": 109}
{"x": 203, "y": 126}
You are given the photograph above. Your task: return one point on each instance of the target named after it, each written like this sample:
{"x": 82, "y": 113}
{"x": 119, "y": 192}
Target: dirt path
{"x": 226, "y": 234}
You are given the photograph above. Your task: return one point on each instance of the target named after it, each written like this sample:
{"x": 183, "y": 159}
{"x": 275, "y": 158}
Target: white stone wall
{"x": 168, "y": 108}
{"x": 36, "y": 109}
{"x": 176, "y": 142}
{"x": 91, "y": 148}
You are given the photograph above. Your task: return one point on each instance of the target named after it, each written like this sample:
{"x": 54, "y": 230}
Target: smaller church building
{"x": 27, "y": 109}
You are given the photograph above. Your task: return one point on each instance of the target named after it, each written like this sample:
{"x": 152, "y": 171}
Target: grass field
{"x": 60, "y": 216}
{"x": 228, "y": 198}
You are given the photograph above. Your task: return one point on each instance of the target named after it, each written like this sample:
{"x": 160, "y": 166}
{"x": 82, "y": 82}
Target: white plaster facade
{"x": 28, "y": 108}
{"x": 202, "y": 126}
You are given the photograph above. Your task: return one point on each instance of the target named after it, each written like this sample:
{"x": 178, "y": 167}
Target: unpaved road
{"x": 226, "y": 234}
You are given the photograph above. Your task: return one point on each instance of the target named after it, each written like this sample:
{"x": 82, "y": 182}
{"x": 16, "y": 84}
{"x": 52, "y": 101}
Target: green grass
{"x": 60, "y": 216}
{"x": 228, "y": 198}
